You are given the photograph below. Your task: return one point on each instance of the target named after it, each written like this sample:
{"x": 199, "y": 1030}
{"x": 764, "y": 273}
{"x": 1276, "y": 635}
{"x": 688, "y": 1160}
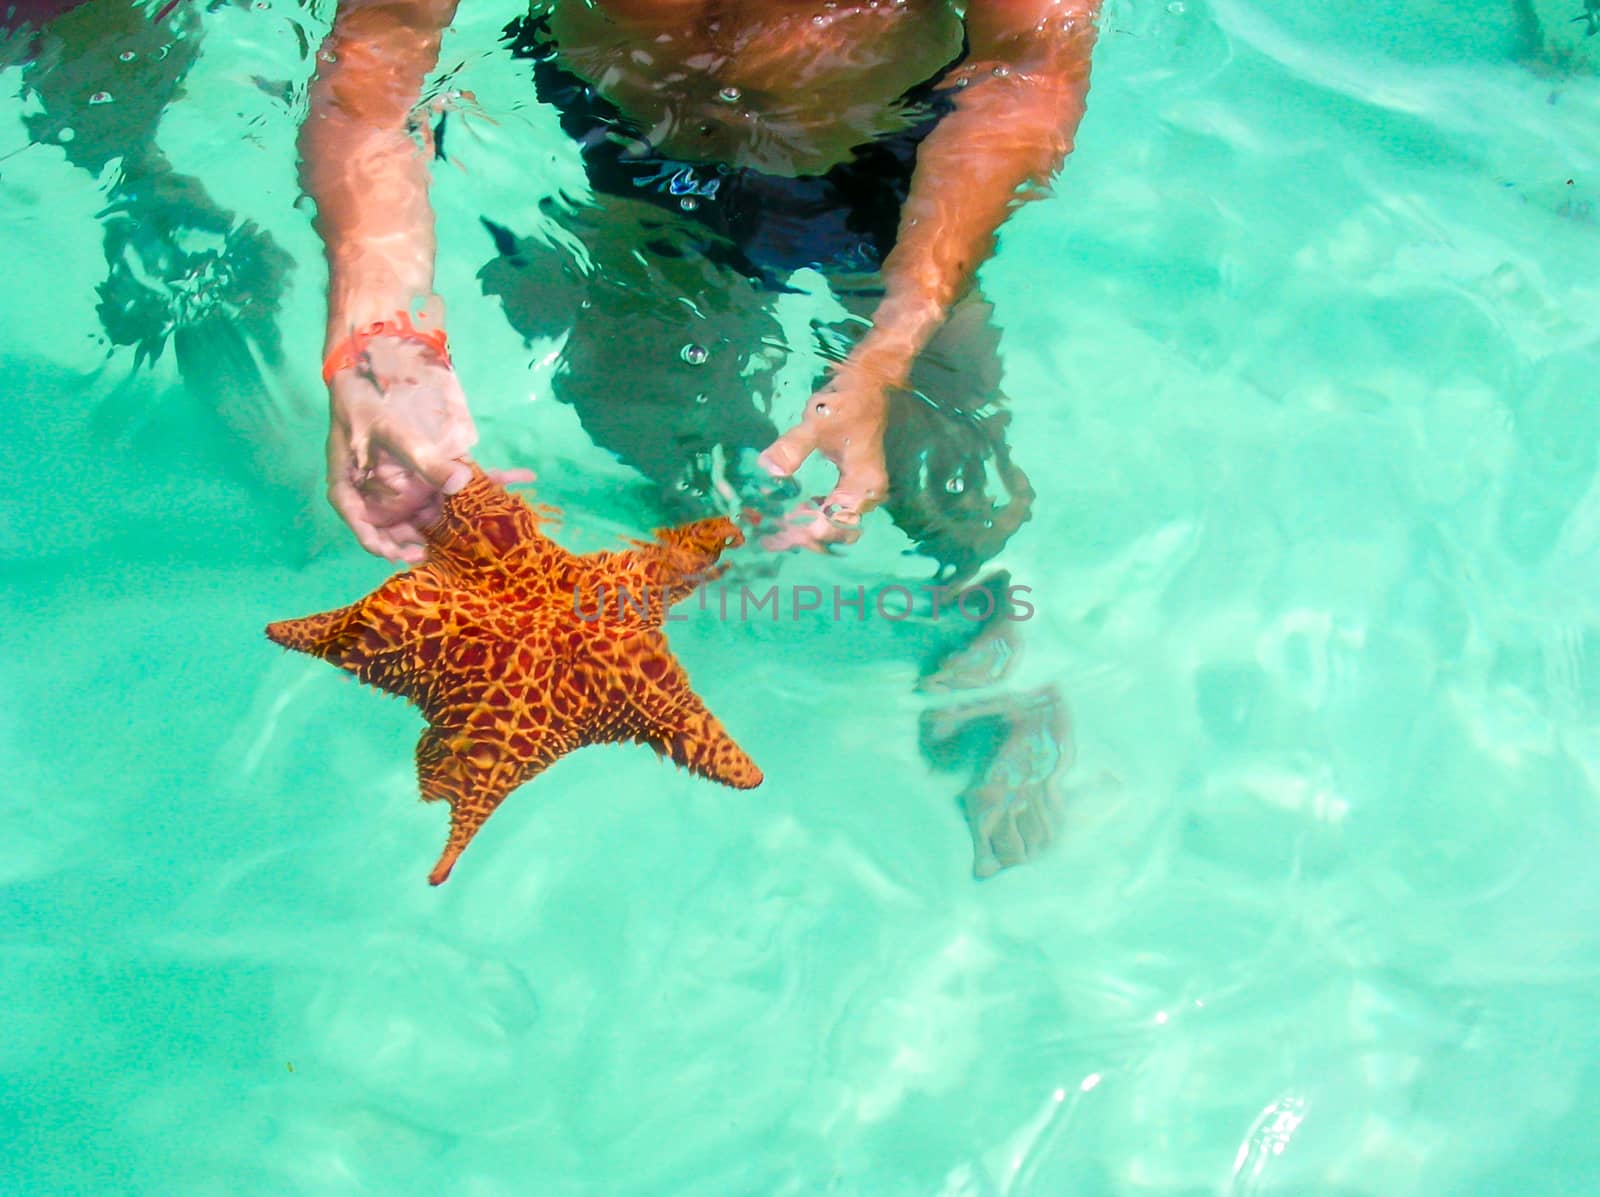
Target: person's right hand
{"x": 398, "y": 439}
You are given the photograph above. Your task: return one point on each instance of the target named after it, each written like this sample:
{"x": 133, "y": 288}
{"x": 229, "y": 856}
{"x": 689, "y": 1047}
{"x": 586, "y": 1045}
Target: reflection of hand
{"x": 845, "y": 421}
{"x": 397, "y": 444}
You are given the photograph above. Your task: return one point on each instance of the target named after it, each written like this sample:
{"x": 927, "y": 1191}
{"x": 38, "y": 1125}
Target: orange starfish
{"x": 518, "y": 652}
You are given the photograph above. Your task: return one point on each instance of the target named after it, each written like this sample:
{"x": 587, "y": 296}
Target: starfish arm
{"x": 393, "y": 639}
{"x": 368, "y": 639}
{"x": 663, "y": 712}
{"x": 324, "y": 636}
{"x": 484, "y": 524}
{"x": 474, "y": 777}
{"x": 668, "y": 569}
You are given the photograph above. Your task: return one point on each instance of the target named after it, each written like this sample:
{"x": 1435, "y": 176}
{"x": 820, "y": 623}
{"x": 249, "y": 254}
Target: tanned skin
{"x": 812, "y": 80}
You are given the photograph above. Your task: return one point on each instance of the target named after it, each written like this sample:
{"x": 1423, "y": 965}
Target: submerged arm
{"x": 399, "y": 428}
{"x": 1018, "y": 100}
{"x": 361, "y": 164}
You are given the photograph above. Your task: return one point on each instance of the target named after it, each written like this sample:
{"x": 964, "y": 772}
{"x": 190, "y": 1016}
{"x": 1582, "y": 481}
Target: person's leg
{"x": 669, "y": 357}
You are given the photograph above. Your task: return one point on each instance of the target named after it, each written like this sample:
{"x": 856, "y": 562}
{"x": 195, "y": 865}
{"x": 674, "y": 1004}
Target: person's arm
{"x": 399, "y": 429}
{"x": 361, "y": 164}
{"x": 1019, "y": 98}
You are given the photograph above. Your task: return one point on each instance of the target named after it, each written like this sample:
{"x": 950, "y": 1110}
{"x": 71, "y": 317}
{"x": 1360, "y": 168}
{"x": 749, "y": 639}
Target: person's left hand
{"x": 845, "y": 421}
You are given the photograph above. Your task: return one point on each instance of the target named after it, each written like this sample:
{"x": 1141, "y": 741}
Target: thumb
{"x": 358, "y": 446}
{"x": 786, "y": 454}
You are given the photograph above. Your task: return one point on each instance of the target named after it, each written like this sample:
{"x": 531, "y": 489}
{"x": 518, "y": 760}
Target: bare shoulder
{"x": 1017, "y": 16}
{"x": 1008, "y": 29}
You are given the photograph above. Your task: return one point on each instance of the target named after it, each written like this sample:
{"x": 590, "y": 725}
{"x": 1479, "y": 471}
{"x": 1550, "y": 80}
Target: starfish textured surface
{"x": 486, "y": 638}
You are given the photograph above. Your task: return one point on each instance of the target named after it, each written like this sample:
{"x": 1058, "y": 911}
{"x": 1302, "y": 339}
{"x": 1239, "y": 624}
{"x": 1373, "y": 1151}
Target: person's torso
{"x": 786, "y": 87}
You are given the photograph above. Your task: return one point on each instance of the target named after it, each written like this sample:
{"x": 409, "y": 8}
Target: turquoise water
{"x": 1302, "y": 356}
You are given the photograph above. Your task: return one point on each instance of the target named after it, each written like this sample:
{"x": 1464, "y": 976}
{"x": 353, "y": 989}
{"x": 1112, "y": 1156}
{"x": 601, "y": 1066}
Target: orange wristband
{"x": 348, "y": 352}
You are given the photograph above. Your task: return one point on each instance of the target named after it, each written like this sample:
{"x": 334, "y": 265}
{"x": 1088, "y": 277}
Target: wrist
{"x": 901, "y": 329}
{"x": 401, "y": 328}
{"x": 375, "y": 287}
{"x": 882, "y": 361}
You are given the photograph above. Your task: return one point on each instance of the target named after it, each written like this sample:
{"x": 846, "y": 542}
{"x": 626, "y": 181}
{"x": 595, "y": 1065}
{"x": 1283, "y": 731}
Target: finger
{"x": 347, "y": 502}
{"x": 407, "y": 535}
{"x": 399, "y": 540}
{"x": 786, "y": 454}
{"x": 402, "y": 517}
{"x": 752, "y": 485}
{"x": 512, "y": 477}
{"x": 796, "y": 534}
{"x": 862, "y": 483}
{"x": 343, "y": 496}
{"x": 340, "y": 459}
{"x": 411, "y": 554}
{"x": 357, "y": 443}
{"x": 427, "y": 516}
{"x": 817, "y": 528}
{"x": 391, "y": 495}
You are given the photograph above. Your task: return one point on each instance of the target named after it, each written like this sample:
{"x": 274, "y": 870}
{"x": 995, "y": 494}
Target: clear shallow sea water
{"x": 1302, "y": 357}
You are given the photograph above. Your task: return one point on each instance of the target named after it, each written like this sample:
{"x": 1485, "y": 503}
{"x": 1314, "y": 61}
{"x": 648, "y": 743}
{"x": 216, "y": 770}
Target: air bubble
{"x": 688, "y": 203}
{"x": 1001, "y": 72}
{"x": 702, "y": 397}
{"x": 695, "y": 355}
{"x": 822, "y": 409}
{"x": 66, "y": 135}
{"x": 730, "y": 95}
{"x": 955, "y": 485}
{"x": 126, "y": 56}
{"x": 100, "y": 97}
